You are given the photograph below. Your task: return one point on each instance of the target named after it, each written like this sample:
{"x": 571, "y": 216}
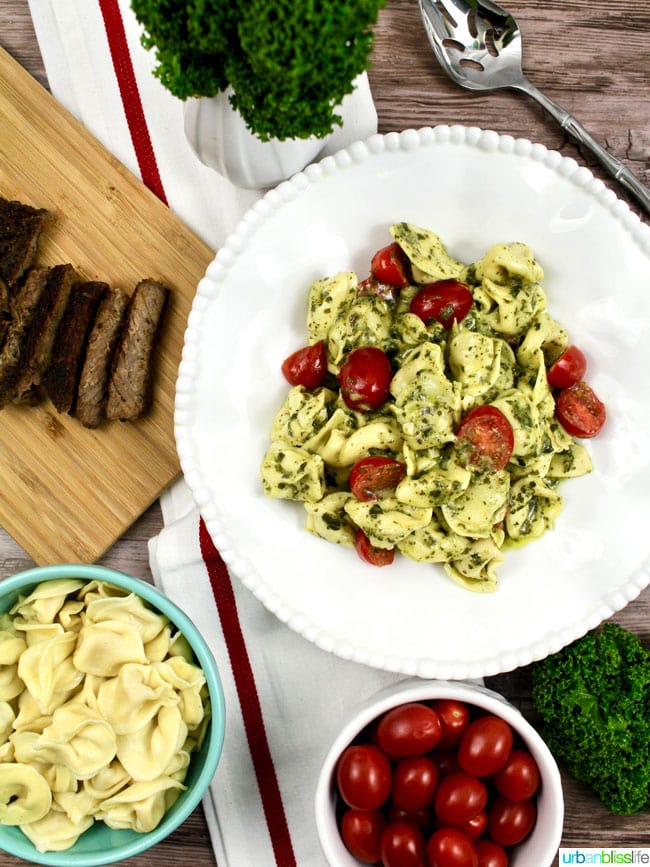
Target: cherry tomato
{"x": 449, "y": 847}
{"x": 485, "y": 746}
{"x": 518, "y": 779}
{"x": 306, "y": 366}
{"x": 364, "y": 777}
{"x": 459, "y": 797}
{"x": 446, "y": 301}
{"x": 361, "y": 831}
{"x": 446, "y": 761}
{"x": 414, "y": 783}
{"x": 408, "y": 730}
{"x": 391, "y": 265}
{"x": 370, "y": 286}
{"x": 402, "y": 845}
{"x": 568, "y": 369}
{"x": 365, "y": 378}
{"x": 454, "y": 718}
{"x": 510, "y": 822}
{"x": 490, "y": 854}
{"x": 579, "y": 411}
{"x": 485, "y": 438}
{"x": 475, "y": 827}
{"x": 420, "y": 818}
{"x": 371, "y": 553}
{"x": 375, "y": 475}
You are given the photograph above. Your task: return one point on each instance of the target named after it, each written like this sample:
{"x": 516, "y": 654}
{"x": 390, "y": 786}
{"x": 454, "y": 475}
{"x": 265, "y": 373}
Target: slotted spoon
{"x": 478, "y": 44}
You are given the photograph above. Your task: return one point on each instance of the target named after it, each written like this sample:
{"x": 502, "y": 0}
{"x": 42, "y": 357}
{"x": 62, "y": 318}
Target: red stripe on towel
{"x": 249, "y": 701}
{"x": 130, "y": 94}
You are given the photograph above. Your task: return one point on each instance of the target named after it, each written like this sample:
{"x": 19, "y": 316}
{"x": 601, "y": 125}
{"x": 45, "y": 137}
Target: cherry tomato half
{"x": 365, "y": 378}
{"x": 306, "y": 366}
{"x": 490, "y": 854}
{"x": 375, "y": 475}
{"x": 371, "y": 553}
{"x": 579, "y": 411}
{"x": 391, "y": 265}
{"x": 361, "y": 831}
{"x": 446, "y": 301}
{"x": 364, "y": 777}
{"x": 459, "y": 798}
{"x": 485, "y": 746}
{"x": 450, "y": 847}
{"x": 485, "y": 438}
{"x": 402, "y": 845}
{"x": 408, "y": 730}
{"x": 510, "y": 822}
{"x": 414, "y": 783}
{"x": 454, "y": 718}
{"x": 568, "y": 369}
{"x": 518, "y": 779}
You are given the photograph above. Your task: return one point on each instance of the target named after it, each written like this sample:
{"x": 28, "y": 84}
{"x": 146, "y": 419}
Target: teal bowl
{"x": 100, "y": 844}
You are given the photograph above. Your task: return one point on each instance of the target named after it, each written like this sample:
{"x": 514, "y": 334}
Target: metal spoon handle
{"x": 614, "y": 166}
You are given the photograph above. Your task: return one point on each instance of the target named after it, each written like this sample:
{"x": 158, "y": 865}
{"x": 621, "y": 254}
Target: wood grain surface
{"x": 591, "y": 56}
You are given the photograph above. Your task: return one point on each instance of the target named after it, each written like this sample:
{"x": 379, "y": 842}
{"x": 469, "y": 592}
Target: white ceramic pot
{"x": 221, "y": 140}
{"x": 537, "y": 850}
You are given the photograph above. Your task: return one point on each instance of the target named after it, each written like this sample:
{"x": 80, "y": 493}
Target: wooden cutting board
{"x": 67, "y": 493}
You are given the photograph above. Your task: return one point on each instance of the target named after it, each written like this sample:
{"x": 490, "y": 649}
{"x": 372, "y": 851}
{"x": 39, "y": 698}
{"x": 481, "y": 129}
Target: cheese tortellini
{"x": 101, "y": 706}
{"x": 444, "y": 510}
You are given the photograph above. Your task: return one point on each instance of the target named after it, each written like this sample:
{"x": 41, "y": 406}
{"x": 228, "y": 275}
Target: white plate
{"x": 474, "y": 188}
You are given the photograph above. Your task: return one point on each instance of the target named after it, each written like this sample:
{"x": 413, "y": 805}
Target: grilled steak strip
{"x": 24, "y": 309}
{"x": 61, "y": 377}
{"x": 129, "y": 390}
{"x": 20, "y": 231}
{"x": 5, "y": 310}
{"x": 92, "y": 392}
{"x": 37, "y": 350}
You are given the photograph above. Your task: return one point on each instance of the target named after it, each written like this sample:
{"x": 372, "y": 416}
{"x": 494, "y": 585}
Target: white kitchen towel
{"x": 285, "y": 702}
{"x": 285, "y": 698}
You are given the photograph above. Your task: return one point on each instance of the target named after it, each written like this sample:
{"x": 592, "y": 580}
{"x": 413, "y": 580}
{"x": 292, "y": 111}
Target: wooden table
{"x": 591, "y": 56}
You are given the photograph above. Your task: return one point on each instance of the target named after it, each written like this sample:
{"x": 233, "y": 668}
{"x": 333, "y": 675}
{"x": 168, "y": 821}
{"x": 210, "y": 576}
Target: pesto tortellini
{"x": 101, "y": 706}
{"x": 442, "y": 508}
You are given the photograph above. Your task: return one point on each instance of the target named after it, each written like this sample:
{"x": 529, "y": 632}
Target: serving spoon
{"x": 478, "y": 44}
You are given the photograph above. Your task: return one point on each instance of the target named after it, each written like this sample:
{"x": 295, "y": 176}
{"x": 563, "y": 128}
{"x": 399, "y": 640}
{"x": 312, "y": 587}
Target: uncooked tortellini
{"x": 101, "y": 707}
{"x": 47, "y": 670}
{"x": 24, "y": 794}
{"x": 78, "y": 739}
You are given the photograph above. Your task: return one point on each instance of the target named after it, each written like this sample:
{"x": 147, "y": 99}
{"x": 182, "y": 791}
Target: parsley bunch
{"x": 594, "y": 698}
{"x": 289, "y": 63}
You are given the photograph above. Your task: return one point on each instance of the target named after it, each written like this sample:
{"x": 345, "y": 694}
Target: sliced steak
{"x": 25, "y": 307}
{"x": 5, "y": 310}
{"x": 129, "y": 390}
{"x": 92, "y": 392}
{"x": 62, "y": 376}
{"x": 37, "y": 350}
{"x": 20, "y": 231}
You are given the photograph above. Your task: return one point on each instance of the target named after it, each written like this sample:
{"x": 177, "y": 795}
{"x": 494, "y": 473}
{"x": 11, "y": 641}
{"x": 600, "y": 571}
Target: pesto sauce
{"x": 432, "y": 392}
